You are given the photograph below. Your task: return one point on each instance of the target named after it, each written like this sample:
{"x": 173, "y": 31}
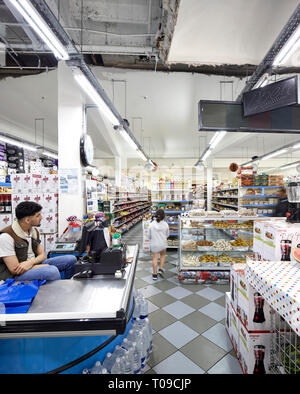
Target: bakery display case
{"x": 210, "y": 243}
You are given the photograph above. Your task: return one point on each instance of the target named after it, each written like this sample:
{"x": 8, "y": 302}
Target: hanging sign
{"x": 229, "y": 116}
{"x": 276, "y": 95}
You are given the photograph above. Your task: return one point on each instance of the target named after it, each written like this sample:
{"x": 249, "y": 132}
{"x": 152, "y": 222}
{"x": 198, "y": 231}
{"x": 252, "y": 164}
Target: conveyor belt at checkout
{"x": 96, "y": 306}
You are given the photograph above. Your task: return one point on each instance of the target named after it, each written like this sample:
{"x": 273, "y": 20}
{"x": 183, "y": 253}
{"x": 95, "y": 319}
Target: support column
{"x": 120, "y": 170}
{"x": 70, "y": 129}
{"x": 209, "y": 183}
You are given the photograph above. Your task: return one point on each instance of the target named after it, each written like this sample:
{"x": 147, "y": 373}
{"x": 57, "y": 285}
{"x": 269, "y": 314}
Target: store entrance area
{"x": 188, "y": 320}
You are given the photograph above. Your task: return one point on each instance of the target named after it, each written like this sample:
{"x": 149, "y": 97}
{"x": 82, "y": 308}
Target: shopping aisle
{"x": 188, "y": 320}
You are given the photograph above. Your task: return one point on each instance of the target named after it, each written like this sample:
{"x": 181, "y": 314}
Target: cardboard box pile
{"x": 248, "y": 324}
{"x": 276, "y": 240}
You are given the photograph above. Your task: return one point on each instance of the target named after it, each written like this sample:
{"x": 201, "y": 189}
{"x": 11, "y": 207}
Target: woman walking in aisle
{"x": 158, "y": 233}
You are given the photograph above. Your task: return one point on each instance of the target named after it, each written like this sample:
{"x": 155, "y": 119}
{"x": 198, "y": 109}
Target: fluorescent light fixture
{"x": 29, "y": 13}
{"x": 89, "y": 89}
{"x": 50, "y": 154}
{"x": 296, "y": 146}
{"x": 273, "y": 154}
{"x": 285, "y": 167}
{"x": 128, "y": 139}
{"x": 23, "y": 145}
{"x": 142, "y": 155}
{"x": 206, "y": 154}
{"x": 216, "y": 139}
{"x": 289, "y": 47}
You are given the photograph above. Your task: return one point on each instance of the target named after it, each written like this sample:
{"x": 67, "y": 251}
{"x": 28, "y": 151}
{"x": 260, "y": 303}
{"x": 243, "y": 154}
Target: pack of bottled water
{"x": 131, "y": 357}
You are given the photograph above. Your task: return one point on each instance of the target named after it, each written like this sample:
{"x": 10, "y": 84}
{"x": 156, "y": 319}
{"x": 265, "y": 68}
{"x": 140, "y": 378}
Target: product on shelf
{"x": 221, "y": 244}
{"x": 239, "y": 242}
{"x": 188, "y": 245}
{"x": 208, "y": 258}
{"x": 204, "y": 243}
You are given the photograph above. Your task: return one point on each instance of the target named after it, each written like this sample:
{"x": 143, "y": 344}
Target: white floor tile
{"x": 178, "y": 309}
{"x": 217, "y": 334}
{"x": 177, "y": 363}
{"x": 150, "y": 280}
{"x": 152, "y": 307}
{"x": 227, "y": 365}
{"x": 210, "y": 294}
{"x": 178, "y": 334}
{"x": 214, "y": 311}
{"x": 149, "y": 291}
{"x": 178, "y": 292}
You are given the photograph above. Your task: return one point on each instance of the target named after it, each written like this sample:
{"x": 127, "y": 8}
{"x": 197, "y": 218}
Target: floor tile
{"x": 162, "y": 299}
{"x": 217, "y": 334}
{"x": 152, "y": 307}
{"x": 150, "y": 280}
{"x": 198, "y": 321}
{"x": 177, "y": 363}
{"x": 227, "y": 365}
{"x": 160, "y": 319}
{"x": 150, "y": 290}
{"x": 203, "y": 352}
{"x": 178, "y": 309}
{"x": 210, "y": 294}
{"x": 161, "y": 349}
{"x": 195, "y": 301}
{"x": 139, "y": 283}
{"x": 214, "y": 311}
{"x": 178, "y": 292}
{"x": 178, "y": 334}
{"x": 164, "y": 285}
{"x": 141, "y": 273}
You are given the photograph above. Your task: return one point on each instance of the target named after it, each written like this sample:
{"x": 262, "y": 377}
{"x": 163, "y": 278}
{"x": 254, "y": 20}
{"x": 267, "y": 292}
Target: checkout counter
{"x": 70, "y": 324}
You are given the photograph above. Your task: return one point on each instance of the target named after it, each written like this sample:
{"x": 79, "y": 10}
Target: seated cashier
{"x": 22, "y": 255}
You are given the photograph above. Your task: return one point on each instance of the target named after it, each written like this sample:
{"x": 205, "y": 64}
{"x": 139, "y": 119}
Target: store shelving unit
{"x": 225, "y": 198}
{"x": 211, "y": 257}
{"x": 263, "y": 201}
{"x": 128, "y": 209}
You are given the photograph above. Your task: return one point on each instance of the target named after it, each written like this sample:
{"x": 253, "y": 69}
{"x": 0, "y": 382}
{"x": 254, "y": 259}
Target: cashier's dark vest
{"x": 21, "y": 249}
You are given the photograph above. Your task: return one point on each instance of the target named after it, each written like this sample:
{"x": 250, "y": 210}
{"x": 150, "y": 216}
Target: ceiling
{"x": 184, "y": 50}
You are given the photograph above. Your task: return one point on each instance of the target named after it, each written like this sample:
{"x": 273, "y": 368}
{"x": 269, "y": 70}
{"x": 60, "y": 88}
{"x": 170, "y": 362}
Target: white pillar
{"x": 70, "y": 128}
{"x": 120, "y": 170}
{"x": 209, "y": 183}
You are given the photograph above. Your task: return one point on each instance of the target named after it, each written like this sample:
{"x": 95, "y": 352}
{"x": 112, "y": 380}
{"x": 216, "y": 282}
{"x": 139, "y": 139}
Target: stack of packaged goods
{"x": 248, "y": 324}
{"x": 42, "y": 189}
{"x": 131, "y": 357}
{"x": 276, "y": 180}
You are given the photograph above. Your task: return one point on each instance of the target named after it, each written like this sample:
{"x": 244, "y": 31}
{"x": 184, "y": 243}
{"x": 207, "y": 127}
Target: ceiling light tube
{"x": 286, "y": 166}
{"x": 206, "y": 154}
{"x": 23, "y": 145}
{"x": 296, "y": 146}
{"x": 216, "y": 139}
{"x": 273, "y": 154}
{"x": 128, "y": 139}
{"x": 89, "y": 89}
{"x": 29, "y": 13}
{"x": 142, "y": 155}
{"x": 50, "y": 154}
{"x": 289, "y": 47}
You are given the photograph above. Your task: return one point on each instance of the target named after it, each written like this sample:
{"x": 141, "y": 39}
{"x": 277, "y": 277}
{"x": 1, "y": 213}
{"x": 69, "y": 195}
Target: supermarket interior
{"x": 149, "y": 187}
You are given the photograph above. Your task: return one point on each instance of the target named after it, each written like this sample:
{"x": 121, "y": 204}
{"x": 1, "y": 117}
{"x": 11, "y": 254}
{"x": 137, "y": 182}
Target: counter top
{"x": 95, "y": 306}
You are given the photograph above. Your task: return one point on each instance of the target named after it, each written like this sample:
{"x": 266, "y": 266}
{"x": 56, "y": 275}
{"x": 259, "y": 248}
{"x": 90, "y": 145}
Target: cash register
{"x": 100, "y": 259}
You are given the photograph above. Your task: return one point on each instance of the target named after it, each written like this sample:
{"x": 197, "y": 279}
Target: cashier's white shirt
{"x": 158, "y": 234}
{"x": 7, "y": 245}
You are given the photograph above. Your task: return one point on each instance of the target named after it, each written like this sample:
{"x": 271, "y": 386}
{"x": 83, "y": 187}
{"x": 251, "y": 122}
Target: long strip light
{"x": 17, "y": 143}
{"x": 29, "y": 13}
{"x": 142, "y": 155}
{"x": 291, "y": 165}
{"x": 128, "y": 139}
{"x": 290, "y": 46}
{"x": 89, "y": 89}
{"x": 273, "y": 154}
{"x": 206, "y": 154}
{"x": 216, "y": 139}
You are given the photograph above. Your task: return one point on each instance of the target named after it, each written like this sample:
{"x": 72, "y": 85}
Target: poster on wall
{"x": 68, "y": 180}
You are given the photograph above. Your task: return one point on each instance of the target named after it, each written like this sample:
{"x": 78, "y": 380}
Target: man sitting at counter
{"x": 22, "y": 255}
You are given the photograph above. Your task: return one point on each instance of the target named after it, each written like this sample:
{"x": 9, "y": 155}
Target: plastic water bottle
{"x": 98, "y": 369}
{"x": 126, "y": 344}
{"x": 137, "y": 307}
{"x": 108, "y": 362}
{"x": 119, "y": 366}
{"x": 141, "y": 346}
{"x": 143, "y": 308}
{"x": 149, "y": 329}
{"x": 118, "y": 352}
{"x": 136, "y": 358}
{"x": 86, "y": 371}
{"x": 128, "y": 361}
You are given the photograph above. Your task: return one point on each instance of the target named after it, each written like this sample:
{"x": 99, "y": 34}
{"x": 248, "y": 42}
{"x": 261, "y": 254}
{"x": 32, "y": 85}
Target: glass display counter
{"x": 209, "y": 245}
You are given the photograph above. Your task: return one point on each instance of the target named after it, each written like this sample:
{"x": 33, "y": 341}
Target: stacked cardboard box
{"x": 43, "y": 189}
{"x": 146, "y": 239}
{"x": 276, "y": 240}
{"x": 248, "y": 324}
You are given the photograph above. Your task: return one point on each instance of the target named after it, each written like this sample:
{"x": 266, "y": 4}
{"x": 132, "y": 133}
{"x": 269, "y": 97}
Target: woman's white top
{"x": 158, "y": 234}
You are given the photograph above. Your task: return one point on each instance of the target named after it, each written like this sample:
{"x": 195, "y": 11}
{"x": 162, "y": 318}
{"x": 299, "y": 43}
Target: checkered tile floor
{"x": 188, "y": 320}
